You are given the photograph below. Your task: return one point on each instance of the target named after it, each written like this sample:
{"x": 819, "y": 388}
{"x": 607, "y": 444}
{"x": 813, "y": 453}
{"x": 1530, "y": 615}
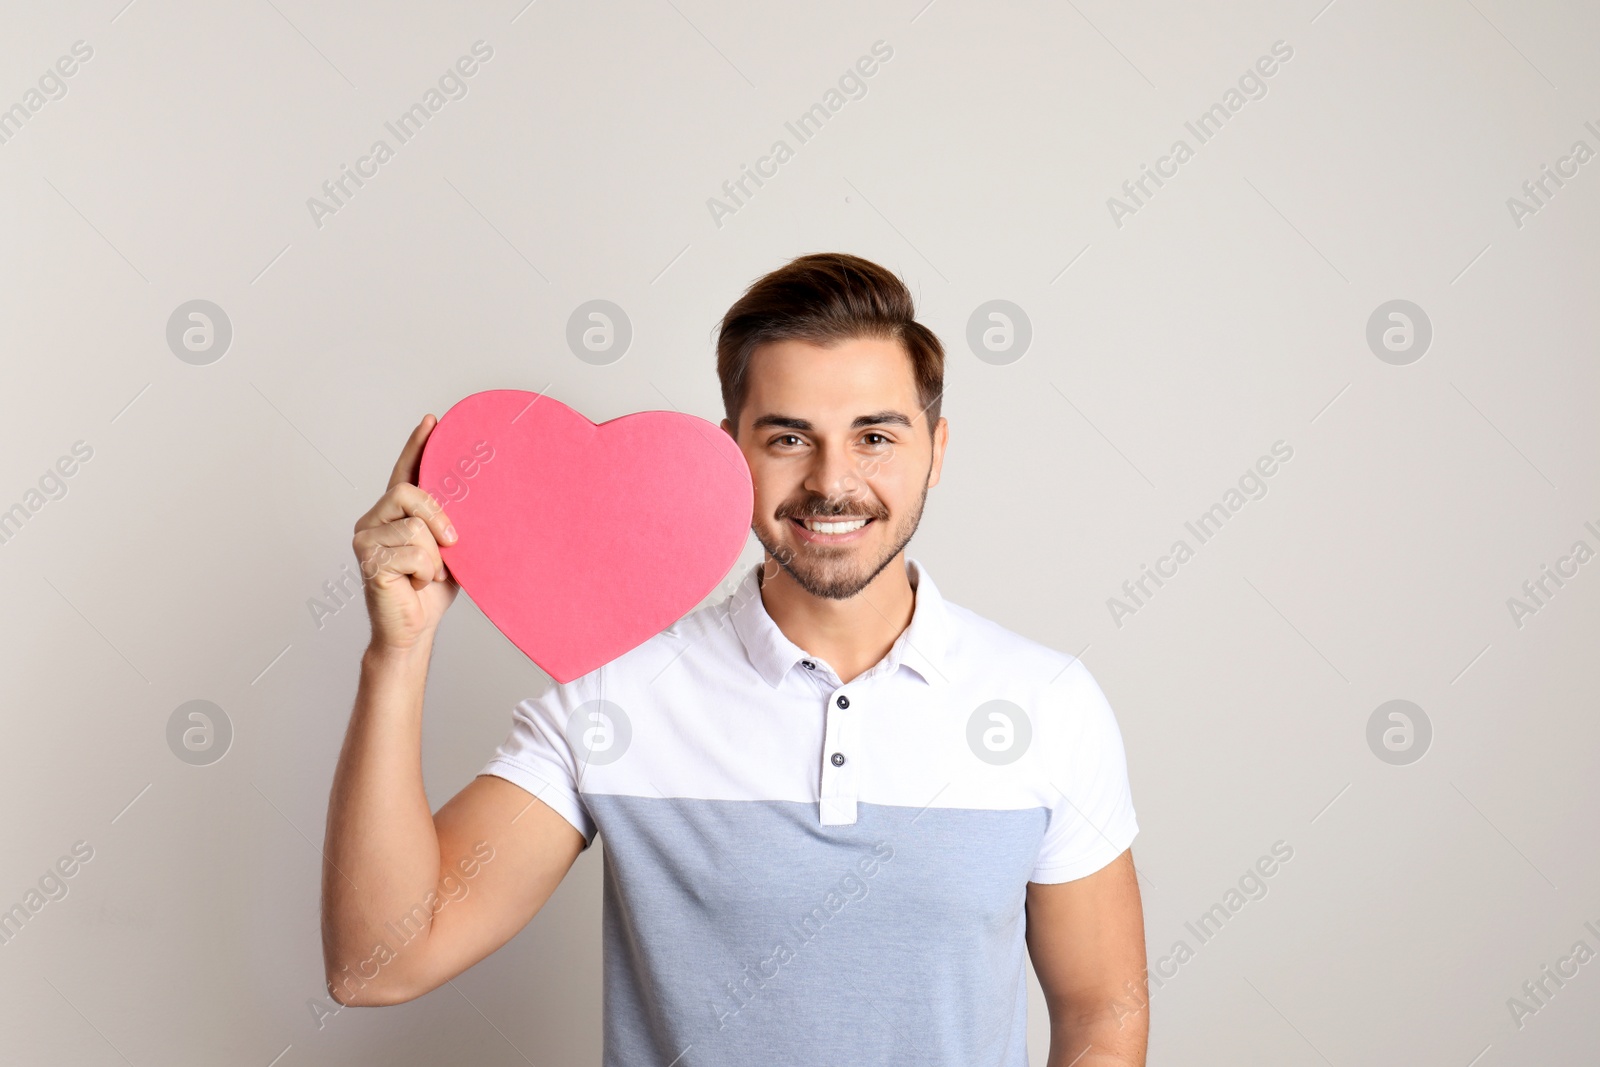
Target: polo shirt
{"x": 802, "y": 870}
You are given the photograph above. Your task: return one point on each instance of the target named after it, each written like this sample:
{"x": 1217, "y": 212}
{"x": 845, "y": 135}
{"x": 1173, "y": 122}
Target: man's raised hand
{"x": 397, "y": 545}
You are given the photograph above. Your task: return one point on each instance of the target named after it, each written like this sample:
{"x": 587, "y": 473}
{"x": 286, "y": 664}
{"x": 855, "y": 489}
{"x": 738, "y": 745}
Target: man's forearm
{"x": 381, "y": 846}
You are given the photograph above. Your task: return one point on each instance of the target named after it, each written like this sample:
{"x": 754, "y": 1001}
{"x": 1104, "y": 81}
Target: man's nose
{"x": 835, "y": 474}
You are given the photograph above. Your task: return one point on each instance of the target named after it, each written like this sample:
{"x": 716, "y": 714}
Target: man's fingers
{"x": 405, "y": 468}
{"x": 422, "y": 560}
{"x": 375, "y": 545}
{"x": 406, "y": 500}
{"x": 410, "y": 530}
{"x": 414, "y": 562}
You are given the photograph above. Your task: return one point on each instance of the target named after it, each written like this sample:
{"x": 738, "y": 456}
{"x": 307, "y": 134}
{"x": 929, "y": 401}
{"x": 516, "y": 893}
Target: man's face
{"x": 841, "y": 458}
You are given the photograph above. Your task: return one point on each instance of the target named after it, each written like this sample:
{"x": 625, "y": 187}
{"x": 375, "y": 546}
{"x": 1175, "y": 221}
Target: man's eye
{"x": 786, "y": 438}
{"x": 879, "y": 436}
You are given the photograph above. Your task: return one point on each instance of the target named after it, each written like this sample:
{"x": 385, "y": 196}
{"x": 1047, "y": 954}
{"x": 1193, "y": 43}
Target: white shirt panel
{"x": 722, "y": 707}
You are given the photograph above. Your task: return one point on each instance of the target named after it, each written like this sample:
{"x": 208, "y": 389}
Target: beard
{"x": 828, "y": 571}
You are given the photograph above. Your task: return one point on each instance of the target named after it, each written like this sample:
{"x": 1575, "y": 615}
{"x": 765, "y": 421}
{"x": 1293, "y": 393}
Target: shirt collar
{"x": 922, "y": 646}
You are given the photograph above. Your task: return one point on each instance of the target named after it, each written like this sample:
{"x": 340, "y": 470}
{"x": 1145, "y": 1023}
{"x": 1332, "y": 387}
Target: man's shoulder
{"x": 1068, "y": 710}
{"x": 986, "y": 646}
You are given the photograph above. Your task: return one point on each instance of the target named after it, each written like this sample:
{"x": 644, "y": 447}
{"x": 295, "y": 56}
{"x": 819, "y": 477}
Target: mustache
{"x": 817, "y": 508}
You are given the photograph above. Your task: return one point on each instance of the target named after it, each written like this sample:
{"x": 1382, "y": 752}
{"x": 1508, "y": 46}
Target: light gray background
{"x": 1167, "y": 355}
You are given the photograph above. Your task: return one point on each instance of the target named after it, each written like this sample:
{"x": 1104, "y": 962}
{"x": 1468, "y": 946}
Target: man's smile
{"x": 831, "y": 531}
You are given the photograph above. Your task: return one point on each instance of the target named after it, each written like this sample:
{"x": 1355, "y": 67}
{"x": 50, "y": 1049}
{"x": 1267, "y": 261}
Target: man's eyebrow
{"x": 788, "y": 422}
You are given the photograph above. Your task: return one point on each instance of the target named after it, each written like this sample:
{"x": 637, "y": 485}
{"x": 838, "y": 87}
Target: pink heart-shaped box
{"x": 582, "y": 541}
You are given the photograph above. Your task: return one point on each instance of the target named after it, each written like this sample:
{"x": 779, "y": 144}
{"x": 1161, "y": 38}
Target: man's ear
{"x": 727, "y": 428}
{"x": 941, "y": 437}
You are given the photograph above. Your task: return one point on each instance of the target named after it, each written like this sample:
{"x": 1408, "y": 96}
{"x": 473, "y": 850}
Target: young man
{"x": 836, "y": 807}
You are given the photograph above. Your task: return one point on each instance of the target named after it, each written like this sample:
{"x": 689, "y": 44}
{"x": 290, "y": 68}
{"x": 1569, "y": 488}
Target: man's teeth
{"x": 816, "y": 526}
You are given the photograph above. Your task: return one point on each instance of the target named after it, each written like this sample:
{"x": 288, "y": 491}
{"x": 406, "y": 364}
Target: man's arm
{"x": 410, "y": 898}
{"x": 1086, "y": 939}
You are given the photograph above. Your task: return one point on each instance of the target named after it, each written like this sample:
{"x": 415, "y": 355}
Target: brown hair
{"x": 824, "y": 299}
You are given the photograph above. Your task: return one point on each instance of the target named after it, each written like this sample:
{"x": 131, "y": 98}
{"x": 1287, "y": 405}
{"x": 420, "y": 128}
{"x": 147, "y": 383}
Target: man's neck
{"x": 851, "y": 635}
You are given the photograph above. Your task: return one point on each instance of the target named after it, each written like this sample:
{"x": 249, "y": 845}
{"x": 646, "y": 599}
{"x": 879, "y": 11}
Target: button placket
{"x": 840, "y": 740}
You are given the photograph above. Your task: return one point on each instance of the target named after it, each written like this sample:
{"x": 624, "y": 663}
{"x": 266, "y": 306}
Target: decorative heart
{"x": 582, "y": 541}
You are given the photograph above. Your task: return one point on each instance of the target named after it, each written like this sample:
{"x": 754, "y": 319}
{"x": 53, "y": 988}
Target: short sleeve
{"x": 1092, "y": 820}
{"x": 537, "y": 756}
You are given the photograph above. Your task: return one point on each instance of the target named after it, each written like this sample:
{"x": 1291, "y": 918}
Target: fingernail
{"x": 449, "y": 533}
